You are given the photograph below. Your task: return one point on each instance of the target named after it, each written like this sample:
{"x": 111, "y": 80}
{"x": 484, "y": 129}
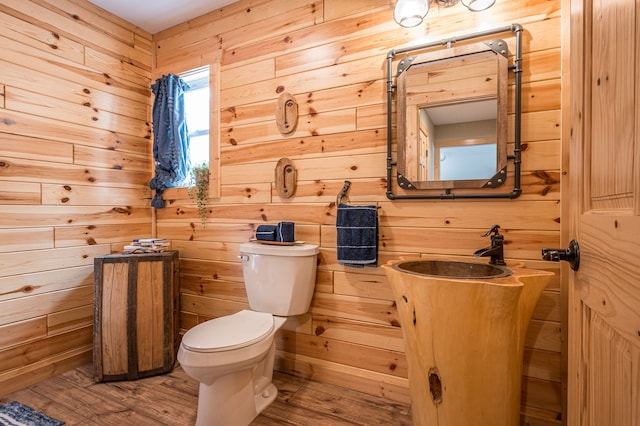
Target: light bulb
{"x": 410, "y": 13}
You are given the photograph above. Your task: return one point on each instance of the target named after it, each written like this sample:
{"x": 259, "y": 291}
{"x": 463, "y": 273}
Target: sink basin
{"x": 453, "y": 269}
{"x": 464, "y": 326}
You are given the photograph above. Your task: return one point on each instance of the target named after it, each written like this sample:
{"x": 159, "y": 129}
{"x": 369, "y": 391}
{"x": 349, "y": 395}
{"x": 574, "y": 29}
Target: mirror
{"x": 452, "y": 107}
{"x": 452, "y": 113}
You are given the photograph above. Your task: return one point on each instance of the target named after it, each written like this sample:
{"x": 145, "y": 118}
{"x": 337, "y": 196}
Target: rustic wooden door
{"x": 604, "y": 294}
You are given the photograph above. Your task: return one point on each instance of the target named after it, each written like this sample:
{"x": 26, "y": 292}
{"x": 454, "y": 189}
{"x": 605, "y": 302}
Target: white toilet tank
{"x": 279, "y": 279}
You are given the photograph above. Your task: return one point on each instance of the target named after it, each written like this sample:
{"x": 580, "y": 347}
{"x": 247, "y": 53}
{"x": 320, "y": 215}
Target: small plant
{"x": 199, "y": 189}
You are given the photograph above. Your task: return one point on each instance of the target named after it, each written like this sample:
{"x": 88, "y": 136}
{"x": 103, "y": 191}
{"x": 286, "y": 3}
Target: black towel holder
{"x": 343, "y": 193}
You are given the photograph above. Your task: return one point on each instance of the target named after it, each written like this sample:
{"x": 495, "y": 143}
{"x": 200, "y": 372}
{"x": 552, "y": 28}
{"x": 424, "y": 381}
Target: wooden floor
{"x": 171, "y": 399}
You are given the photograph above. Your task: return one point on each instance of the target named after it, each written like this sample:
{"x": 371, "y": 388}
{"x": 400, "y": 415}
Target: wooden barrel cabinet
{"x": 135, "y": 315}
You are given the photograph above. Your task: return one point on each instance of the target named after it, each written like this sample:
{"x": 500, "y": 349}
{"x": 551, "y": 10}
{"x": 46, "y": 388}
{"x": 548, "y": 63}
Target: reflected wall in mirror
{"x": 452, "y": 118}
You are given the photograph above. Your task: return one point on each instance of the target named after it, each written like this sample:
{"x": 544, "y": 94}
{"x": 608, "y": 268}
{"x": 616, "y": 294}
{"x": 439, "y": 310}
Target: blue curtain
{"x": 171, "y": 137}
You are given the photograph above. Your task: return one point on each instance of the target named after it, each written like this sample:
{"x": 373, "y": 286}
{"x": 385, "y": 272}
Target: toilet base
{"x": 231, "y": 400}
{"x": 266, "y": 397}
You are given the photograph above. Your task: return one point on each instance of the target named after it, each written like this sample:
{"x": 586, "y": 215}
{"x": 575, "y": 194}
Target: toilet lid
{"x": 229, "y": 332}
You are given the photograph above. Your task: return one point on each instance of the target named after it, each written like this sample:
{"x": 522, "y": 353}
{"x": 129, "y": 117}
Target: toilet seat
{"x": 230, "y": 332}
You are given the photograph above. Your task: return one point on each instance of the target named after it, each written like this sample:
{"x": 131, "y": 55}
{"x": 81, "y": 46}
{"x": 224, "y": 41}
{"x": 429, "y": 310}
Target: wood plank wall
{"x": 74, "y": 168}
{"x": 330, "y": 54}
{"x": 75, "y": 162}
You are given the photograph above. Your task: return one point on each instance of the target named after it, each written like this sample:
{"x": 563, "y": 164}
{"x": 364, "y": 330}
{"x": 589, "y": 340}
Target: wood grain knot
{"x": 435, "y": 386}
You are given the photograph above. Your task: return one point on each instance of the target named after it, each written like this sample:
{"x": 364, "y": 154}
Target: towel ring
{"x": 343, "y": 193}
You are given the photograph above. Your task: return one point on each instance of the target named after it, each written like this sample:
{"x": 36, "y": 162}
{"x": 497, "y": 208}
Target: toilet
{"x": 232, "y": 356}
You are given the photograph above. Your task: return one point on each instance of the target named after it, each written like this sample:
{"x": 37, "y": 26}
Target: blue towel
{"x": 266, "y": 233}
{"x": 285, "y": 232}
{"x": 357, "y": 228}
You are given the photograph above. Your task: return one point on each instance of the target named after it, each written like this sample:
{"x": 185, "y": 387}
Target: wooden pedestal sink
{"x": 464, "y": 326}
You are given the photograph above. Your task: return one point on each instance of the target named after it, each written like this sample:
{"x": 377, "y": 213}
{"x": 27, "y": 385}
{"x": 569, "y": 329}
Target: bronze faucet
{"x": 496, "y": 249}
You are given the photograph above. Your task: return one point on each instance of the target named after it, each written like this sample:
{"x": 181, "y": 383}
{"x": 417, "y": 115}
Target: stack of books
{"x": 147, "y": 245}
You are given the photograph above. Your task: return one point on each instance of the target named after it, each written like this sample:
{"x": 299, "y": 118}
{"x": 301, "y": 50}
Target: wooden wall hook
{"x": 287, "y": 113}
{"x": 285, "y": 178}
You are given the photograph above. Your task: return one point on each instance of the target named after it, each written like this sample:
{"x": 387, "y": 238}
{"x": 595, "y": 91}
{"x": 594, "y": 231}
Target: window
{"x": 196, "y": 104}
{"x": 202, "y": 110}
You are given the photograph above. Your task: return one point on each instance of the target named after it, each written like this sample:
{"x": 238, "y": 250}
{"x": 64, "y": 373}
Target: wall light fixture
{"x": 410, "y": 13}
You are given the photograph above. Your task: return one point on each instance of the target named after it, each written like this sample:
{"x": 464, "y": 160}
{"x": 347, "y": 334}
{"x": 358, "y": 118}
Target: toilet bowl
{"x": 232, "y": 356}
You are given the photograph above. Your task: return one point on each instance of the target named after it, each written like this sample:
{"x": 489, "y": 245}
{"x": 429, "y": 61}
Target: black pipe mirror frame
{"x": 517, "y": 152}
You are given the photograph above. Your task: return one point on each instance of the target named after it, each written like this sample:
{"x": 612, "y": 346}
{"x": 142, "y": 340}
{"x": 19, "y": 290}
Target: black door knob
{"x": 570, "y": 254}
